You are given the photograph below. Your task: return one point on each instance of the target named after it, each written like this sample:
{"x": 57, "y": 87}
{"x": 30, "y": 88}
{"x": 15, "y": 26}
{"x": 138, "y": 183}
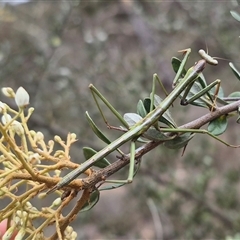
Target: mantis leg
{"x": 131, "y": 172}
{"x": 202, "y": 131}
{"x": 155, "y": 80}
{"x": 181, "y": 70}
{"x": 200, "y": 94}
{"x": 95, "y": 94}
{"x": 193, "y": 94}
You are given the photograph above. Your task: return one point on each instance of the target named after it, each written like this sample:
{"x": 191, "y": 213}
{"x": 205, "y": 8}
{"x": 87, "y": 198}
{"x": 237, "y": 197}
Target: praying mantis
{"x": 182, "y": 84}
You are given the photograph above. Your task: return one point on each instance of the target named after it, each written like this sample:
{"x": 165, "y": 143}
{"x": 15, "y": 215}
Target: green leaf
{"x": 147, "y": 104}
{"x": 179, "y": 141}
{"x": 132, "y": 118}
{"x": 96, "y": 130}
{"x": 234, "y": 95}
{"x": 141, "y": 109}
{"x": 235, "y": 15}
{"x": 89, "y": 152}
{"x": 218, "y": 125}
{"x": 154, "y": 135}
{"x": 235, "y": 71}
{"x": 94, "y": 198}
{"x": 176, "y": 62}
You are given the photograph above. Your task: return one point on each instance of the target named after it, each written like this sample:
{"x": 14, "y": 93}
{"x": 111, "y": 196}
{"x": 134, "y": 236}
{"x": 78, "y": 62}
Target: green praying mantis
{"x": 182, "y": 84}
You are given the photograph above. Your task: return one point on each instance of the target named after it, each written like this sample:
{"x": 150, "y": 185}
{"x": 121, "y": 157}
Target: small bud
{"x": 24, "y": 214}
{"x": 34, "y": 158}
{"x": 56, "y": 202}
{"x": 50, "y": 145}
{"x": 18, "y": 128}
{"x": 42, "y": 195}
{"x": 30, "y": 110}
{"x": 6, "y": 118}
{"x": 73, "y": 136}
{"x": 69, "y": 229}
{"x": 74, "y": 236}
{"x": 45, "y": 210}
{"x": 32, "y": 133}
{"x": 28, "y": 205}
{"x": 59, "y": 154}
{"x": 21, "y": 97}
{"x": 8, "y": 92}
{"x": 57, "y": 138}
{"x": 57, "y": 172}
{"x": 18, "y": 213}
{"x": 39, "y": 136}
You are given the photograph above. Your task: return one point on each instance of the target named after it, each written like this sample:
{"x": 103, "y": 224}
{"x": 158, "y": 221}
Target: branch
{"x": 100, "y": 175}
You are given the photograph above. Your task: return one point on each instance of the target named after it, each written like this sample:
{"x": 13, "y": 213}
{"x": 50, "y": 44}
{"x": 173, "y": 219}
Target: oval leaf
{"x": 154, "y": 135}
{"x": 218, "y": 126}
{"x": 179, "y": 141}
{"x": 132, "y": 118}
{"x": 235, "y": 15}
{"x": 147, "y": 104}
{"x": 141, "y": 109}
{"x": 234, "y": 95}
{"x": 96, "y": 130}
{"x": 94, "y": 198}
{"x": 235, "y": 71}
{"x": 89, "y": 152}
{"x": 176, "y": 64}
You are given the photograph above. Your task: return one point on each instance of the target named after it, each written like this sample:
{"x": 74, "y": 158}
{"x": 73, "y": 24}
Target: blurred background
{"x": 56, "y": 49}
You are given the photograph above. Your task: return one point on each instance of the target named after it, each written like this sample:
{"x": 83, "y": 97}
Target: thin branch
{"x": 99, "y": 175}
